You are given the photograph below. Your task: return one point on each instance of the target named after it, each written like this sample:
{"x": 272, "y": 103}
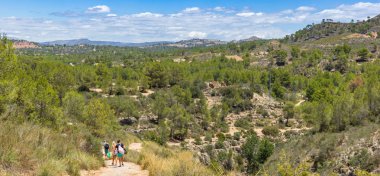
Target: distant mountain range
{"x": 75, "y": 42}
{"x": 253, "y": 38}
{"x": 180, "y": 44}
{"x": 196, "y": 42}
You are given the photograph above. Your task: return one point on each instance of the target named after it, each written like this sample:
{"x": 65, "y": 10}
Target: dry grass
{"x": 162, "y": 161}
{"x": 34, "y": 150}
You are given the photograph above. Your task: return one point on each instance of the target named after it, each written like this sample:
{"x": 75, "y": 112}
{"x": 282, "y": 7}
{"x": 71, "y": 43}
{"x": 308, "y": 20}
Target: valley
{"x": 305, "y": 104}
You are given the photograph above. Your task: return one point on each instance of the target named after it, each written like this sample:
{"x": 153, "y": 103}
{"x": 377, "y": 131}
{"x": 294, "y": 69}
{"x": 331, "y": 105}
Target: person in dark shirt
{"x": 120, "y": 152}
{"x": 106, "y": 148}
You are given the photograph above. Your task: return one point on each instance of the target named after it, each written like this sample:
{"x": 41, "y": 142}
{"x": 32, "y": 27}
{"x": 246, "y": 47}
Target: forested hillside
{"x": 265, "y": 107}
{"x": 329, "y": 28}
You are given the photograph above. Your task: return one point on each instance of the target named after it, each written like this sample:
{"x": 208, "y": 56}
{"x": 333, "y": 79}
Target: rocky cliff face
{"x": 20, "y": 44}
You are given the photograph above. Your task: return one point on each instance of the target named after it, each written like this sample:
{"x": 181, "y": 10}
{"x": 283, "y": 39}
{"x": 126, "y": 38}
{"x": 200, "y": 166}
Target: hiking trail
{"x": 129, "y": 168}
{"x": 299, "y": 103}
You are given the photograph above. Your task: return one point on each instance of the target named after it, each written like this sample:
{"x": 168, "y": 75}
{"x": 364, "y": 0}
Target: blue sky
{"x": 171, "y": 20}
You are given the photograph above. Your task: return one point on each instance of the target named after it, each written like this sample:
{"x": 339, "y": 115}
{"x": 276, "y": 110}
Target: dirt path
{"x": 129, "y": 169}
{"x": 299, "y": 103}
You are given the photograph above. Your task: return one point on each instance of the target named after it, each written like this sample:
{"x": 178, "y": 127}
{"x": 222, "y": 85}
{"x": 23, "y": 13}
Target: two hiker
{"x": 117, "y": 152}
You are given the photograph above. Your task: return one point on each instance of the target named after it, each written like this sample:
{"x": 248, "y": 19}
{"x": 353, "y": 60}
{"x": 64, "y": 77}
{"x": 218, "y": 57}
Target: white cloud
{"x": 147, "y": 14}
{"x": 175, "y": 28}
{"x": 331, "y": 12}
{"x": 176, "y": 15}
{"x": 219, "y": 9}
{"x": 289, "y": 11}
{"x": 111, "y": 15}
{"x": 190, "y": 23}
{"x": 197, "y": 34}
{"x": 363, "y": 5}
{"x": 249, "y": 14}
{"x": 245, "y": 14}
{"x": 192, "y": 10}
{"x": 259, "y": 14}
{"x": 305, "y": 9}
{"x": 99, "y": 9}
{"x": 346, "y": 12}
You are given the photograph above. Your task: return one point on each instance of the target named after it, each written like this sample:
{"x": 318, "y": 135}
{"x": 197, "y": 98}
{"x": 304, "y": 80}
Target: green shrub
{"x": 228, "y": 136}
{"x": 290, "y": 133}
{"x": 237, "y": 98}
{"x": 224, "y": 128}
{"x": 208, "y": 137}
{"x": 263, "y": 112}
{"x": 209, "y": 149}
{"x": 219, "y": 145}
{"x": 237, "y": 136}
{"x": 221, "y": 137}
{"x": 248, "y": 133}
{"x": 243, "y": 123}
{"x": 234, "y": 143}
{"x": 256, "y": 152}
{"x": 198, "y": 141}
{"x": 222, "y": 156}
{"x": 365, "y": 161}
{"x": 239, "y": 162}
{"x": 271, "y": 131}
{"x": 260, "y": 123}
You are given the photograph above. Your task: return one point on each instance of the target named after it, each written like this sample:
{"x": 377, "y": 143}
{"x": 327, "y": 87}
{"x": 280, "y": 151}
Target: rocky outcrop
{"x": 22, "y": 44}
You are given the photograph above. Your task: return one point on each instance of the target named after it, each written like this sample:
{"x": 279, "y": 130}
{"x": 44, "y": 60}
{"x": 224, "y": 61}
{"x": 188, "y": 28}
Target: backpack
{"x": 125, "y": 148}
{"x": 106, "y": 146}
{"x": 121, "y": 149}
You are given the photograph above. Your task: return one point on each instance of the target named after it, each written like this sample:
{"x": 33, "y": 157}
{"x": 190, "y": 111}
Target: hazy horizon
{"x": 145, "y": 21}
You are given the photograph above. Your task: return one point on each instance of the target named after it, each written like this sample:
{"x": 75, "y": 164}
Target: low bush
{"x": 198, "y": 141}
{"x": 221, "y": 137}
{"x": 209, "y": 149}
{"x": 271, "y": 131}
{"x": 260, "y": 123}
{"x": 208, "y": 137}
{"x": 234, "y": 143}
{"x": 237, "y": 136}
{"x": 291, "y": 133}
{"x": 219, "y": 145}
{"x": 228, "y": 136}
{"x": 243, "y": 123}
{"x": 263, "y": 112}
{"x": 364, "y": 160}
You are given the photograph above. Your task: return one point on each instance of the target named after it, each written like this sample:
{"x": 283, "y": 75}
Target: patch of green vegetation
{"x": 243, "y": 123}
{"x": 327, "y": 150}
{"x": 272, "y": 131}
